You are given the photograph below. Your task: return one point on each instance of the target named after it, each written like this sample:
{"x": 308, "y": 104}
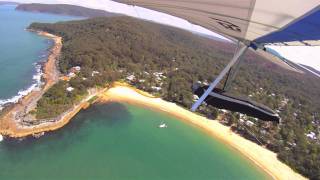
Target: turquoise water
{"x": 113, "y": 141}
{"x": 121, "y": 141}
{"x": 20, "y": 50}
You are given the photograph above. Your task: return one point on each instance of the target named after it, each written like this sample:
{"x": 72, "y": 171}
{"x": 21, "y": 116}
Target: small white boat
{"x": 163, "y": 125}
{"x": 1, "y": 137}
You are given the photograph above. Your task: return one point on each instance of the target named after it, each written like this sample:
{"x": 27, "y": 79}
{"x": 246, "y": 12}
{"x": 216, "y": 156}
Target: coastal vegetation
{"x": 58, "y": 98}
{"x": 64, "y": 9}
{"x": 166, "y": 61}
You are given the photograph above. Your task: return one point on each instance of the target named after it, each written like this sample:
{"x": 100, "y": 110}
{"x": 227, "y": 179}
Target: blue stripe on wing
{"x": 305, "y": 29}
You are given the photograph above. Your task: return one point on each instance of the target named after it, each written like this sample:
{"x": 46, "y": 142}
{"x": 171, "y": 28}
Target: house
{"x": 206, "y": 83}
{"x": 156, "y": 88}
{"x": 224, "y": 111}
{"x": 159, "y": 76}
{"x": 94, "y": 73}
{"x": 77, "y": 68}
{"x": 312, "y": 135}
{"x": 71, "y": 75}
{"x": 69, "y": 89}
{"x": 131, "y": 77}
{"x": 249, "y": 123}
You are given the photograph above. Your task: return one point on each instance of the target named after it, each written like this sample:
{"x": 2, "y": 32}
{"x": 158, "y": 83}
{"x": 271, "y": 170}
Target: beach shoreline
{"x": 121, "y": 92}
{"x": 9, "y": 124}
{"x": 262, "y": 157}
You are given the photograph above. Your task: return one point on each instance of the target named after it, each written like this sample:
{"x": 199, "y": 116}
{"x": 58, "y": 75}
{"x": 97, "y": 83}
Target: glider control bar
{"x": 241, "y": 49}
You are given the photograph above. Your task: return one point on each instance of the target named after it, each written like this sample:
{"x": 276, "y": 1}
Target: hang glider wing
{"x": 285, "y": 22}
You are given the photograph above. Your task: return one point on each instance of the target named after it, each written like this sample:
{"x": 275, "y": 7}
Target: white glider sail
{"x": 285, "y": 22}
{"x": 251, "y": 23}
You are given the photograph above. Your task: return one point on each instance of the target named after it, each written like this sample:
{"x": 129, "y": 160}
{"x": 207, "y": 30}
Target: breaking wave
{"x": 36, "y": 84}
{"x": 36, "y": 78}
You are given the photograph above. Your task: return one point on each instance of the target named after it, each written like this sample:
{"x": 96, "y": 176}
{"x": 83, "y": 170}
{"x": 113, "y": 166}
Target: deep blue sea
{"x": 20, "y": 51}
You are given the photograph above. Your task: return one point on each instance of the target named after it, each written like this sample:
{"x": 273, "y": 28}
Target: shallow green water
{"x": 20, "y": 50}
{"x": 120, "y": 141}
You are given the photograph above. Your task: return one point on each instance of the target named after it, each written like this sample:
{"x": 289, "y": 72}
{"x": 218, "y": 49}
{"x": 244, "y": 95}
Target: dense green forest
{"x": 65, "y": 9}
{"x": 166, "y": 62}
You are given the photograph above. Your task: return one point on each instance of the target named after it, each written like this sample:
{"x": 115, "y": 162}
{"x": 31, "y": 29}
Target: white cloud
{"x": 137, "y": 12}
{"x": 304, "y": 55}
{"x": 300, "y": 54}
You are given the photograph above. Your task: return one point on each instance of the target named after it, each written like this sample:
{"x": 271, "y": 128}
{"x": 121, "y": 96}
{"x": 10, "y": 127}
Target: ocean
{"x": 21, "y": 52}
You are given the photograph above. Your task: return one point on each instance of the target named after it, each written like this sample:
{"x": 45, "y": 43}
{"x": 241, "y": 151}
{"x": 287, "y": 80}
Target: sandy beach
{"x": 261, "y": 156}
{"x": 10, "y": 125}
{"x": 51, "y": 72}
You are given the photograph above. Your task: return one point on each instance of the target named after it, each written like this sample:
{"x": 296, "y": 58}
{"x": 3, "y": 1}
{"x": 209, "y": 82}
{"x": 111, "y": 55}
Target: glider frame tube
{"x": 231, "y": 75}
{"x": 241, "y": 49}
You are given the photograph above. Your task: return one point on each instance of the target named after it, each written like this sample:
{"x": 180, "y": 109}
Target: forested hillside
{"x": 64, "y": 9}
{"x": 166, "y": 62}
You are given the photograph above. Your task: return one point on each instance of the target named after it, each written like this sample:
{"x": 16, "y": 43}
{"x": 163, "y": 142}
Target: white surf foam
{"x": 22, "y": 93}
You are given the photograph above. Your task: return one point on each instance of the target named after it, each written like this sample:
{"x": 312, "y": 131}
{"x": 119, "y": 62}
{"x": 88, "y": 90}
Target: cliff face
{"x": 64, "y": 9}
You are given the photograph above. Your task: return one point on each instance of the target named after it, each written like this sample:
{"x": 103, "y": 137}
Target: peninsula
{"x": 165, "y": 62}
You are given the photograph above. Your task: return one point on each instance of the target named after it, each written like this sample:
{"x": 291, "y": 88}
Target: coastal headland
{"x": 11, "y": 126}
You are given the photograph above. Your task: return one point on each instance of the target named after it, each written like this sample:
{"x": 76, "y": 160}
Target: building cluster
{"x": 312, "y": 135}
{"x": 157, "y": 79}
{"x": 71, "y": 73}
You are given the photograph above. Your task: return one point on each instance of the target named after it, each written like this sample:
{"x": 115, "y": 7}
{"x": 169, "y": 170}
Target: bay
{"x": 111, "y": 141}
{"x": 121, "y": 141}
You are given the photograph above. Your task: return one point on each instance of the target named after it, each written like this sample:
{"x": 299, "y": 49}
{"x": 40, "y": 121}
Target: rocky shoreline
{"x": 16, "y": 117}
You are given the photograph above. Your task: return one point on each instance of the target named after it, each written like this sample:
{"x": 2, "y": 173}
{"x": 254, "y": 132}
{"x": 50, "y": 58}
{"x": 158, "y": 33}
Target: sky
{"x": 300, "y": 54}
